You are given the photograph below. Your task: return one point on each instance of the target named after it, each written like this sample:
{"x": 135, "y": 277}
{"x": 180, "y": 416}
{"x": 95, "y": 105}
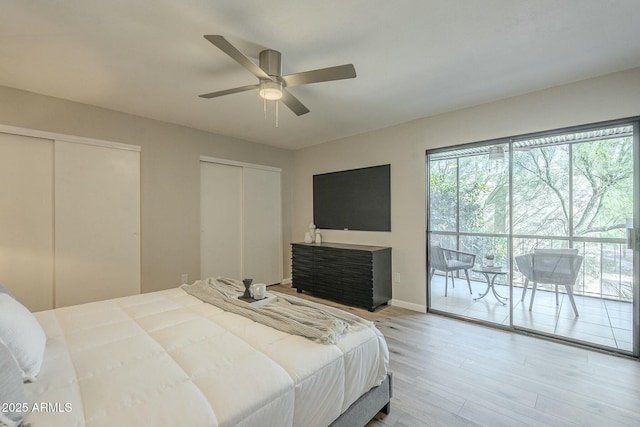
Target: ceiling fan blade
{"x": 222, "y": 44}
{"x": 293, "y": 103}
{"x": 339, "y": 72}
{"x": 229, "y": 91}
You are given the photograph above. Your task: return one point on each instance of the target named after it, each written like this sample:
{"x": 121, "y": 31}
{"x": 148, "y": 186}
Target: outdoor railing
{"x": 606, "y": 273}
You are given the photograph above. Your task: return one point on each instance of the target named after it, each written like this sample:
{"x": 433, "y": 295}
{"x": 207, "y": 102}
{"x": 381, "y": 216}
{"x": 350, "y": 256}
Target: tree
{"x": 606, "y": 169}
{"x": 602, "y": 183}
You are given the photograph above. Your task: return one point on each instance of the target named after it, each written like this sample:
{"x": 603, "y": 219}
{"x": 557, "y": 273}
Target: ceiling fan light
{"x": 270, "y": 90}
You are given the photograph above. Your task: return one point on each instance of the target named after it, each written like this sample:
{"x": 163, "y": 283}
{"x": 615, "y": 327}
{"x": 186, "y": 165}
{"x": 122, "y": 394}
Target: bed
{"x": 167, "y": 358}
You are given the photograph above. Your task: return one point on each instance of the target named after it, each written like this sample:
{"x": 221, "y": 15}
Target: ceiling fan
{"x": 272, "y": 84}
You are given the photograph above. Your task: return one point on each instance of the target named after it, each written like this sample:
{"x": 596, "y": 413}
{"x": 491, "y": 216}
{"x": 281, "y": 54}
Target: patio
{"x": 602, "y": 322}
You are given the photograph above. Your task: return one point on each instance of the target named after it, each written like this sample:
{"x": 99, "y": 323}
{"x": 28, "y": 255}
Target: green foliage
{"x": 604, "y": 172}
{"x": 601, "y": 191}
{"x": 587, "y": 185}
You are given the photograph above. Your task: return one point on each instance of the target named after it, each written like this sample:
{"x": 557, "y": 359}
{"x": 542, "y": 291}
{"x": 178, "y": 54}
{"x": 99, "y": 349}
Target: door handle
{"x": 632, "y": 235}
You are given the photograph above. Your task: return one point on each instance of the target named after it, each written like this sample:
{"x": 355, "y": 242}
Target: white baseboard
{"x": 286, "y": 281}
{"x": 409, "y": 305}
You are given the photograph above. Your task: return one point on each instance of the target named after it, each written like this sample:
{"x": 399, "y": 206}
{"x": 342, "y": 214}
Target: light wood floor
{"x": 448, "y": 372}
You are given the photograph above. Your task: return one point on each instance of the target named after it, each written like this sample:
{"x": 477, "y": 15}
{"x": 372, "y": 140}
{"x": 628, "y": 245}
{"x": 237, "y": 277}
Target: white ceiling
{"x": 413, "y": 58}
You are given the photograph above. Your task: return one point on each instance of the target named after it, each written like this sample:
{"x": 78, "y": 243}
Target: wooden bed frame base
{"x": 378, "y": 399}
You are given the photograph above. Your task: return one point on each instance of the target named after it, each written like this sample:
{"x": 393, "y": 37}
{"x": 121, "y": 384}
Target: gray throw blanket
{"x": 296, "y": 316}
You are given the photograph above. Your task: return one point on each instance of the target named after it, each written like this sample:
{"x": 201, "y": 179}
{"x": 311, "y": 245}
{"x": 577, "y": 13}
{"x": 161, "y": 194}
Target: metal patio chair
{"x": 450, "y": 261}
{"x": 558, "y": 267}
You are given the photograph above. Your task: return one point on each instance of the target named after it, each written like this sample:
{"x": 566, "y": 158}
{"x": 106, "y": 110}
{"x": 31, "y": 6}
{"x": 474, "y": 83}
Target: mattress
{"x": 167, "y": 359}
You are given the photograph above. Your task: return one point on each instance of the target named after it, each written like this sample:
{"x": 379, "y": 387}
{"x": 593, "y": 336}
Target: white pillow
{"x": 4, "y": 290}
{"x": 15, "y": 406}
{"x": 22, "y": 335}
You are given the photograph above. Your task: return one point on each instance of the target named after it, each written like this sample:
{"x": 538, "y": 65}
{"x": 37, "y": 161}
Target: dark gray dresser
{"x": 350, "y": 274}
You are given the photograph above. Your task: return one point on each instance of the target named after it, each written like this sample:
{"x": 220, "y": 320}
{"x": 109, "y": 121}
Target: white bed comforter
{"x": 168, "y": 359}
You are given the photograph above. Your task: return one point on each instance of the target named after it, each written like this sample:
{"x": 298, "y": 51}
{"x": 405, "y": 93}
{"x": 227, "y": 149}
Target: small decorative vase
{"x": 489, "y": 263}
{"x": 318, "y": 237}
{"x": 307, "y": 237}
{"x": 247, "y": 288}
{"x": 259, "y": 291}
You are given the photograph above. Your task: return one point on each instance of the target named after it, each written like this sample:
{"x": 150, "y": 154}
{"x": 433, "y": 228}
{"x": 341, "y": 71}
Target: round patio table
{"x": 490, "y": 274}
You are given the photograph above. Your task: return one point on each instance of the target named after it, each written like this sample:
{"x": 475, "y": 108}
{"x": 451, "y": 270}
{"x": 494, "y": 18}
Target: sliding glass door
{"x": 542, "y": 226}
{"x": 469, "y": 214}
{"x": 573, "y": 193}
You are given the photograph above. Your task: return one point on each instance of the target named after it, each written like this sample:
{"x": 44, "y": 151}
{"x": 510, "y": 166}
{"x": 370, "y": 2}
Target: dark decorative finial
{"x": 247, "y": 286}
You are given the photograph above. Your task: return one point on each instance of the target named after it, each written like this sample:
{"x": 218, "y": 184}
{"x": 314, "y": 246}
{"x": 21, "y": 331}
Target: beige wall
{"x": 609, "y": 97}
{"x": 170, "y": 170}
{"x": 170, "y": 174}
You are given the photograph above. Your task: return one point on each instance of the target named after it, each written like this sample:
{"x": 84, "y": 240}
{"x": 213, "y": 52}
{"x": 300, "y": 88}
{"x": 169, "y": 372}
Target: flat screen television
{"x": 356, "y": 199}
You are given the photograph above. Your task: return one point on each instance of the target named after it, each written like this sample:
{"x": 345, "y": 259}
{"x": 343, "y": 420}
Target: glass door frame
{"x": 635, "y": 241}
{"x": 635, "y": 122}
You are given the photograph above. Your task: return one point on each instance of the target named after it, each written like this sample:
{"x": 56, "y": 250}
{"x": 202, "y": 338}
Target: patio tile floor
{"x": 602, "y": 322}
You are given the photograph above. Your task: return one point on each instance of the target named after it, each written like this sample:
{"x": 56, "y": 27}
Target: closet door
{"x": 97, "y": 223}
{"x": 220, "y": 220}
{"x": 262, "y": 225}
{"x": 26, "y": 225}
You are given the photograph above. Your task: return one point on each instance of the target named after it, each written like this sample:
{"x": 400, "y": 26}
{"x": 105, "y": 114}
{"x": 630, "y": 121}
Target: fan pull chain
{"x": 264, "y": 108}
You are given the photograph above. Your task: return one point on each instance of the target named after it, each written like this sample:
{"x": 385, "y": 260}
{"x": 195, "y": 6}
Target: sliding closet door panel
{"x": 97, "y": 223}
{"x": 262, "y": 243}
{"x": 26, "y": 224}
{"x": 220, "y": 220}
